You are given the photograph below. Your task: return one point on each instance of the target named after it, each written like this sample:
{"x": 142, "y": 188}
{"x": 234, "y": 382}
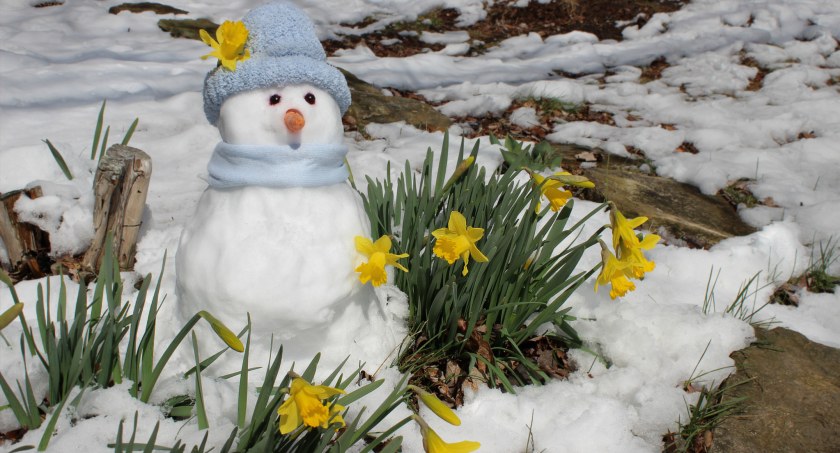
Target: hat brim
{"x": 265, "y": 72}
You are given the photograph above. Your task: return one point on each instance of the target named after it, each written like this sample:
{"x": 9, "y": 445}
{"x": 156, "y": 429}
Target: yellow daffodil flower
{"x": 553, "y": 190}
{"x": 623, "y": 227}
{"x": 639, "y": 265}
{"x": 229, "y": 45}
{"x": 304, "y": 406}
{"x": 614, "y": 272}
{"x": 378, "y": 255}
{"x": 436, "y": 406}
{"x": 432, "y": 443}
{"x": 458, "y": 241}
{"x": 627, "y": 245}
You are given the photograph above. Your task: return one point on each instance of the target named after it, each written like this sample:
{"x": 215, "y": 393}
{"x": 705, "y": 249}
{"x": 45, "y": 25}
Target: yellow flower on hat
{"x": 229, "y": 45}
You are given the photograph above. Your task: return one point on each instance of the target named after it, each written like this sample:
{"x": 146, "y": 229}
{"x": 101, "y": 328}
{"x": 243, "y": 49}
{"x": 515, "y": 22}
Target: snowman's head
{"x": 282, "y": 50}
{"x": 290, "y": 115}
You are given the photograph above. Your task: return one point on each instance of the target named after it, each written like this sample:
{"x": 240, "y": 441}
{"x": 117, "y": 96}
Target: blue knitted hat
{"x": 284, "y": 51}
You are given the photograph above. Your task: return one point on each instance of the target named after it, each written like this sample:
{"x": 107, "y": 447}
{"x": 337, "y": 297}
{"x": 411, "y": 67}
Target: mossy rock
{"x": 188, "y": 28}
{"x": 142, "y": 7}
{"x": 792, "y": 391}
{"x": 681, "y": 209}
{"x": 371, "y": 106}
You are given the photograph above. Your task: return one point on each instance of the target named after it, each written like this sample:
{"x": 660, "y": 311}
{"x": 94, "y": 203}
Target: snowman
{"x": 273, "y": 234}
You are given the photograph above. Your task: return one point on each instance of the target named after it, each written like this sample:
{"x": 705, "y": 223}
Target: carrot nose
{"x": 294, "y": 120}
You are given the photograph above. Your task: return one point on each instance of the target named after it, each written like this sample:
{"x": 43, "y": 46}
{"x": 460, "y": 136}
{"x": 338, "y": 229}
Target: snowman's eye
{"x": 274, "y": 99}
{"x": 310, "y": 98}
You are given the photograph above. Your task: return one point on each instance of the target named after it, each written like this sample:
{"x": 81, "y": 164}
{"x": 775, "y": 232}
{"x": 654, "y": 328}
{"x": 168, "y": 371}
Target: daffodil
{"x": 458, "y": 241}
{"x": 229, "y": 45}
{"x": 614, "y": 273}
{"x": 432, "y": 443}
{"x": 627, "y": 245}
{"x": 436, "y": 406}
{"x": 305, "y": 406}
{"x": 553, "y": 190}
{"x": 378, "y": 255}
{"x": 622, "y": 228}
{"x": 638, "y": 264}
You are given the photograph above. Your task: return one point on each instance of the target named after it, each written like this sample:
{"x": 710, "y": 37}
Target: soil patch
{"x": 549, "y": 112}
{"x": 603, "y": 18}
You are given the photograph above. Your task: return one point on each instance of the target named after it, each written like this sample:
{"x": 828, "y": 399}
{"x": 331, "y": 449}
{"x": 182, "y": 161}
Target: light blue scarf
{"x": 277, "y": 166}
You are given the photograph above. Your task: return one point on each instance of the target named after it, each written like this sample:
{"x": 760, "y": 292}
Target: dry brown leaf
{"x": 586, "y": 156}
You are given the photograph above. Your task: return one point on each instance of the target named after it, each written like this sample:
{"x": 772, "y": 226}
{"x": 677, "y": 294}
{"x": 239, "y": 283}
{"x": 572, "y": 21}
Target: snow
{"x": 57, "y": 64}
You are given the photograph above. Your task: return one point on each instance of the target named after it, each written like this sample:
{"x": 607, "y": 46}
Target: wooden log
{"x": 27, "y": 245}
{"x": 10, "y": 238}
{"x": 120, "y": 187}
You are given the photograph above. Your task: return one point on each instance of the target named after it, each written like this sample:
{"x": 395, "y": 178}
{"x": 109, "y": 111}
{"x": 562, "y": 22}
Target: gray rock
{"x": 793, "y": 397}
{"x": 142, "y": 7}
{"x": 371, "y": 106}
{"x": 188, "y": 28}
{"x": 681, "y": 209}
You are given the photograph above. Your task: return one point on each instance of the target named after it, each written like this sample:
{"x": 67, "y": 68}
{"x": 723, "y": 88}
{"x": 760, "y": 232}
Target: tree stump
{"x": 120, "y": 187}
{"x": 27, "y": 245}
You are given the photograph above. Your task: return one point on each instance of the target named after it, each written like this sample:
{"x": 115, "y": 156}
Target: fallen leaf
{"x": 586, "y": 156}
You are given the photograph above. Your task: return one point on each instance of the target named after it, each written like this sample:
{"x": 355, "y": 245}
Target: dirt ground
{"x": 600, "y": 17}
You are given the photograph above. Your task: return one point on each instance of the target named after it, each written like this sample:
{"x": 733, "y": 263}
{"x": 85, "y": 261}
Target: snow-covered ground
{"x": 57, "y": 64}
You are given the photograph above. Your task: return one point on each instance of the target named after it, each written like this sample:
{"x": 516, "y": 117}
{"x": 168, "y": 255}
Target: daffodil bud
{"x": 223, "y": 332}
{"x": 9, "y": 315}
{"x": 462, "y": 168}
{"x": 432, "y": 443}
{"x": 437, "y": 406}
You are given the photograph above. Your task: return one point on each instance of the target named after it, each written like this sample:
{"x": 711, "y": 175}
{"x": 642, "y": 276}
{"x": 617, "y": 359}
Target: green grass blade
{"x": 148, "y": 341}
{"x": 150, "y": 445}
{"x": 104, "y": 142}
{"x": 309, "y": 373}
{"x": 149, "y": 385}
{"x": 15, "y": 405}
{"x": 199, "y": 394}
{"x": 97, "y": 133}
{"x": 242, "y": 401}
{"x": 130, "y": 132}
{"x": 59, "y": 159}
{"x": 118, "y": 443}
{"x": 357, "y": 394}
{"x": 50, "y": 428}
{"x": 394, "y": 444}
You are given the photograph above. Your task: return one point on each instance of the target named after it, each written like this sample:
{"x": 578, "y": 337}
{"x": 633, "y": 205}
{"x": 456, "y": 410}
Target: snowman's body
{"x": 284, "y": 255}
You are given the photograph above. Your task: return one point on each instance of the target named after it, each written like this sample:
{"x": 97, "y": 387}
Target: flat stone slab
{"x": 681, "y": 209}
{"x": 370, "y": 105}
{"x": 793, "y": 397}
